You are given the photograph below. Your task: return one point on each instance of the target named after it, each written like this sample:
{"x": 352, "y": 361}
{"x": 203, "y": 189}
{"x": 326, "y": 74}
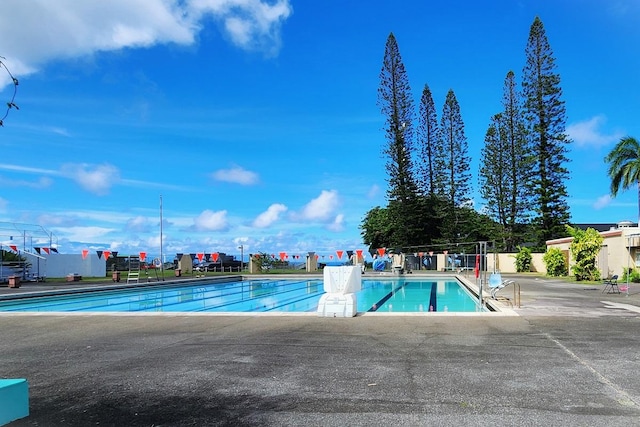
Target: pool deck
{"x": 570, "y": 357}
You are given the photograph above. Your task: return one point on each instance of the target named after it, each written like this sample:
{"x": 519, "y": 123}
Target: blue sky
{"x": 256, "y": 121}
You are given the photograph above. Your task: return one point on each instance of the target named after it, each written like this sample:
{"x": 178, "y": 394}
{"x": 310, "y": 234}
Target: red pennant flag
{"x": 200, "y": 256}
{"x": 14, "y": 248}
{"x": 339, "y": 253}
{"x": 143, "y": 255}
{"x": 317, "y": 256}
{"x": 106, "y": 254}
{"x": 359, "y": 253}
{"x": 283, "y": 255}
{"x": 85, "y": 252}
{"x": 215, "y": 256}
{"x": 330, "y": 256}
{"x": 46, "y": 250}
{"x": 381, "y": 251}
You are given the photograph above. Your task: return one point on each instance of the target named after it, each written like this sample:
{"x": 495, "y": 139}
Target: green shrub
{"x": 585, "y": 248}
{"x": 555, "y": 262}
{"x": 634, "y": 277}
{"x": 523, "y": 260}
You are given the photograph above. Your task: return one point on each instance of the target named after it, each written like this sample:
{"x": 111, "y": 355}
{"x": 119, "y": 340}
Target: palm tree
{"x": 624, "y": 166}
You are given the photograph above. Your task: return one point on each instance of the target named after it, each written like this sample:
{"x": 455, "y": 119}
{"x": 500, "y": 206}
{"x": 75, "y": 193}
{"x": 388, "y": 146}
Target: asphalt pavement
{"x": 567, "y": 356}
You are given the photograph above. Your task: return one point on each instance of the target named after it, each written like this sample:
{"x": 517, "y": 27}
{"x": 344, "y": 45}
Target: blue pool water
{"x": 381, "y": 295}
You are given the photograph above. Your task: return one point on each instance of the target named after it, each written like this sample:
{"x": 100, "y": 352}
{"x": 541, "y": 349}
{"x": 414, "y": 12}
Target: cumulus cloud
{"x": 236, "y": 175}
{"x": 35, "y": 32}
{"x": 602, "y": 201}
{"x": 97, "y": 179}
{"x": 588, "y": 133}
{"x": 321, "y": 208}
{"x": 211, "y": 221}
{"x": 337, "y": 224}
{"x": 271, "y": 215}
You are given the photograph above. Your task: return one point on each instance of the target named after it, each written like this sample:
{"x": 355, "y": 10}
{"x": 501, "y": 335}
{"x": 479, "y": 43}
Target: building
{"x": 620, "y": 247}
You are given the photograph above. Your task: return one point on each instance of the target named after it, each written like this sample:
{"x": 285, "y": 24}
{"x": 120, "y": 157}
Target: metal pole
{"x": 161, "y": 256}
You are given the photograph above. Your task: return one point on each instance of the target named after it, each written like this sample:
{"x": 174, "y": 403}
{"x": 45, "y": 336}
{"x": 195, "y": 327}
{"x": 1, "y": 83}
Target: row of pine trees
{"x": 522, "y": 171}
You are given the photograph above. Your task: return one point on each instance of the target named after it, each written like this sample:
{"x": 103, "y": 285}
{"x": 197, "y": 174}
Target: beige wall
{"x": 506, "y": 263}
{"x": 615, "y": 254}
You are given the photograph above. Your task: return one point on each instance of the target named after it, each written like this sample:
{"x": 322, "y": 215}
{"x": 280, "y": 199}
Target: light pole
{"x": 241, "y": 247}
{"x": 161, "y": 257}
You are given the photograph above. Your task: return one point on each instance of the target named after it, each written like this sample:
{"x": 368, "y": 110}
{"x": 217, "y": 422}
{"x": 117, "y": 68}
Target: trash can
{"x": 178, "y": 272}
{"x": 14, "y": 281}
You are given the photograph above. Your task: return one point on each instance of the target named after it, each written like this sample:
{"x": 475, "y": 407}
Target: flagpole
{"x": 161, "y": 257}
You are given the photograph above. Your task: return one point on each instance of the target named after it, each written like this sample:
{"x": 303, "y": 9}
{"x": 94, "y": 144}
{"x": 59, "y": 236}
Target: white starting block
{"x": 340, "y": 285}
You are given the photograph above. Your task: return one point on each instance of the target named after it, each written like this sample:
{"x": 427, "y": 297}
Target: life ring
{"x": 157, "y": 263}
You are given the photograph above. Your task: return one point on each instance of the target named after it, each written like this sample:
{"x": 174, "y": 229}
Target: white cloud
{"x": 138, "y": 224}
{"x": 588, "y": 133}
{"x": 35, "y": 32}
{"x": 235, "y": 175}
{"x": 95, "y": 179}
{"x": 211, "y": 221}
{"x": 602, "y": 201}
{"x": 373, "y": 191}
{"x": 250, "y": 24}
{"x": 320, "y": 209}
{"x": 86, "y": 234}
{"x": 42, "y": 182}
{"x": 271, "y": 215}
{"x": 337, "y": 224}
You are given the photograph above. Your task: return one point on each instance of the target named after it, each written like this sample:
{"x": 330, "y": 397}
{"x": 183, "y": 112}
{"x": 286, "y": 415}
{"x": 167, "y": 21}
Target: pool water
{"x": 384, "y": 295}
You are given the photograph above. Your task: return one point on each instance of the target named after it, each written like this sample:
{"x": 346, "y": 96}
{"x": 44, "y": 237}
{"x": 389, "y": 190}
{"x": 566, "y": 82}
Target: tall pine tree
{"x": 396, "y": 103}
{"x": 429, "y": 177}
{"x": 457, "y": 183}
{"x": 545, "y": 119}
{"x": 505, "y": 166}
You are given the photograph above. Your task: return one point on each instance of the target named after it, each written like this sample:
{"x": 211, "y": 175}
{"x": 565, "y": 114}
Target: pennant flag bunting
{"x": 46, "y": 250}
{"x": 200, "y": 256}
{"x": 99, "y": 253}
{"x": 283, "y": 255}
{"x": 381, "y": 251}
{"x": 14, "y": 248}
{"x": 143, "y": 255}
{"x": 215, "y": 256}
{"x": 339, "y": 253}
{"x": 37, "y": 249}
{"x": 85, "y": 252}
{"x": 106, "y": 254}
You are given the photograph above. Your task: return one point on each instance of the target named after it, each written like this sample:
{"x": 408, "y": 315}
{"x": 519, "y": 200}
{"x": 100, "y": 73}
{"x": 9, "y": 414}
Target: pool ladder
{"x": 134, "y": 270}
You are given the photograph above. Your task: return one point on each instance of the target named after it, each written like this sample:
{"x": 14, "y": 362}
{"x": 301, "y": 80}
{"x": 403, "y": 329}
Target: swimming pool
{"x": 398, "y": 295}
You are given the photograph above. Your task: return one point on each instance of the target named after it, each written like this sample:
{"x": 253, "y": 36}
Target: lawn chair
{"x": 611, "y": 285}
